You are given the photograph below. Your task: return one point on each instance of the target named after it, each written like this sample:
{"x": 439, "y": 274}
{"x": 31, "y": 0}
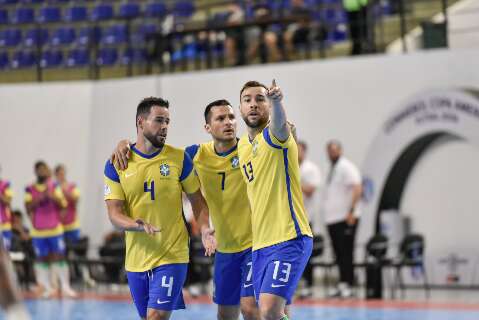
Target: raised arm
{"x": 279, "y": 124}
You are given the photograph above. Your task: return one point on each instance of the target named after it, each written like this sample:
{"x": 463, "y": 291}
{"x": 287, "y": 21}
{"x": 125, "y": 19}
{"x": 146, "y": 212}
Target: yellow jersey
{"x": 151, "y": 188}
{"x": 271, "y": 171}
{"x": 225, "y": 193}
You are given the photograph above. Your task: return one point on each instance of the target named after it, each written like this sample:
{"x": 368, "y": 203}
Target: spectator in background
{"x": 6, "y": 195}
{"x": 297, "y": 33}
{"x": 340, "y": 205}
{"x": 44, "y": 201}
{"x": 22, "y": 242}
{"x": 357, "y": 11}
{"x": 310, "y": 181}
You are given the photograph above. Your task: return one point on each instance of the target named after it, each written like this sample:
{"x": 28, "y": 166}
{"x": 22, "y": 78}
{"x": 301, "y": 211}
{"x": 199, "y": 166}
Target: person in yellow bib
{"x": 145, "y": 200}
{"x": 282, "y": 238}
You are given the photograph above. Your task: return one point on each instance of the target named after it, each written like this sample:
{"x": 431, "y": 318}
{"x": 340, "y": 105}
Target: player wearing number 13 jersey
{"x": 282, "y": 238}
{"x": 217, "y": 165}
{"x": 145, "y": 200}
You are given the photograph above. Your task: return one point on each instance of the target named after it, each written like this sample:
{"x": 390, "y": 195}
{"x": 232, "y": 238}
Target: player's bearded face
{"x": 155, "y": 128}
{"x": 255, "y": 107}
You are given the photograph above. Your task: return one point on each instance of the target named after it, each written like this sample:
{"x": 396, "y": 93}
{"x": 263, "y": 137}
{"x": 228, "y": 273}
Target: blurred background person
{"x": 297, "y": 33}
{"x": 310, "y": 182}
{"x": 342, "y": 192}
{"x": 44, "y": 201}
{"x": 6, "y": 195}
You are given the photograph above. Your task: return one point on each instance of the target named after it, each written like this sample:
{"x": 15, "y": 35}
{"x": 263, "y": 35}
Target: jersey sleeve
{"x": 352, "y": 176}
{"x": 189, "y": 181}
{"x": 76, "y": 193}
{"x": 113, "y": 189}
{"x": 8, "y": 191}
{"x": 274, "y": 142}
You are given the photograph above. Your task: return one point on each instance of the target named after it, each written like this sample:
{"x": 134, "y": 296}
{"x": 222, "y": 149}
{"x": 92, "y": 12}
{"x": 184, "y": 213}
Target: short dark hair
{"x": 58, "y": 167}
{"x": 144, "y": 107}
{"x": 303, "y": 144}
{"x": 216, "y": 103}
{"x": 252, "y": 84}
{"x": 40, "y": 163}
{"x": 335, "y": 142}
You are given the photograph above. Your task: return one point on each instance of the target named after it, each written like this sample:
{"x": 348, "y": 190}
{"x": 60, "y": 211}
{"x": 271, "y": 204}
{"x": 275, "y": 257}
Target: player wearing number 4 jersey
{"x": 282, "y": 238}
{"x": 145, "y": 201}
{"x": 217, "y": 165}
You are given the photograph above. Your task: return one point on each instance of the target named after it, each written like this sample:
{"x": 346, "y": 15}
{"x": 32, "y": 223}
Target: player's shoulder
{"x": 111, "y": 171}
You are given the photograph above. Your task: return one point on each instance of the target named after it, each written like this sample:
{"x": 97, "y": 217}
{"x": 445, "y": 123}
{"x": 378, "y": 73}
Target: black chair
{"x": 411, "y": 255}
{"x": 374, "y": 261}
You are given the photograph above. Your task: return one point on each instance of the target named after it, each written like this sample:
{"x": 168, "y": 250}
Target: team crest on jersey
{"x": 255, "y": 147}
{"x": 235, "y": 162}
{"x": 165, "y": 169}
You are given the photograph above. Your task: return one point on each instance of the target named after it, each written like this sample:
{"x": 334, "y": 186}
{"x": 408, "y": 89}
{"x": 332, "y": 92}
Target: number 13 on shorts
{"x": 281, "y": 271}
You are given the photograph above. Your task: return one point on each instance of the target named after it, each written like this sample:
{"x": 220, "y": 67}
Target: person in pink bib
{"x": 45, "y": 203}
{"x": 5, "y": 213}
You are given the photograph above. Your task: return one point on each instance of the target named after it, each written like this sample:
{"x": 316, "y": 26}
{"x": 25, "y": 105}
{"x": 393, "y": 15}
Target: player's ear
{"x": 207, "y": 128}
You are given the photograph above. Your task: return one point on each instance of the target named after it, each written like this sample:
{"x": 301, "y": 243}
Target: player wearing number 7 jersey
{"x": 217, "y": 165}
{"x": 145, "y": 201}
{"x": 282, "y": 238}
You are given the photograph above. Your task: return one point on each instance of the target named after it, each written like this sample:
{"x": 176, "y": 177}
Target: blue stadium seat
{"x": 78, "y": 58}
{"x": 63, "y": 36}
{"x": 23, "y": 59}
{"x": 183, "y": 9}
{"x": 102, "y": 12}
{"x": 51, "y": 59}
{"x": 24, "y": 15}
{"x": 143, "y": 32}
{"x": 4, "y": 60}
{"x": 156, "y": 9}
{"x": 32, "y": 1}
{"x": 76, "y": 14}
{"x": 88, "y": 35}
{"x": 7, "y": 2}
{"x": 129, "y": 10}
{"x": 133, "y": 55}
{"x": 34, "y": 37}
{"x": 114, "y": 34}
{"x": 10, "y": 37}
{"x": 3, "y": 16}
{"x": 107, "y": 56}
{"x": 49, "y": 14}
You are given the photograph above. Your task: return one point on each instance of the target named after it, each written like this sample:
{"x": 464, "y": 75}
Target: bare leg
{"x": 249, "y": 309}
{"x": 272, "y": 307}
{"x": 158, "y": 314}
{"x": 228, "y": 312}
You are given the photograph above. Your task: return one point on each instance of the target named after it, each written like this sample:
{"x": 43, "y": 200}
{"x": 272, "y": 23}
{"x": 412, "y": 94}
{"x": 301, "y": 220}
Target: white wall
{"x": 347, "y": 99}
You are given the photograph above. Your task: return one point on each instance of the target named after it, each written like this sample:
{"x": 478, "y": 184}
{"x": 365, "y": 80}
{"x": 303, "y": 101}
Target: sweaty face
{"x": 222, "y": 123}
{"x": 155, "y": 126}
{"x": 255, "y": 107}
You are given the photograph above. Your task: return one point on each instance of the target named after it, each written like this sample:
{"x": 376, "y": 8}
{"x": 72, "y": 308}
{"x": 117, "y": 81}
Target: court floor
{"x": 99, "y": 308}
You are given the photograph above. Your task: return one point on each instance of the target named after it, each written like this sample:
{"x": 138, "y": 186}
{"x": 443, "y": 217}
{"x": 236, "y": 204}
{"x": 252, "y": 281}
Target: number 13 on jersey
{"x": 248, "y": 171}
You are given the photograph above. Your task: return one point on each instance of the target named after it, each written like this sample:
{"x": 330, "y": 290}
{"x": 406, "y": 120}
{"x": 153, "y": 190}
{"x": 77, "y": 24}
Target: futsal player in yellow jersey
{"x": 145, "y": 201}
{"x": 217, "y": 165}
{"x": 282, "y": 238}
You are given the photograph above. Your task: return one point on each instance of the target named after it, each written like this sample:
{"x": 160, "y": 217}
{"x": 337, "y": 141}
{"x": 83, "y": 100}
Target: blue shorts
{"x": 49, "y": 245}
{"x": 159, "y": 288}
{"x": 232, "y": 277}
{"x": 72, "y": 235}
{"x": 277, "y": 269}
{"x": 7, "y": 239}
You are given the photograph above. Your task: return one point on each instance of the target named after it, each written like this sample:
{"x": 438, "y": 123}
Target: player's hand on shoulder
{"x": 274, "y": 92}
{"x": 121, "y": 154}
{"x": 209, "y": 240}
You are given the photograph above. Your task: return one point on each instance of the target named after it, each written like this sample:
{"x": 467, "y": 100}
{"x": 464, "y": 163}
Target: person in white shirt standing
{"x": 310, "y": 182}
{"x": 340, "y": 206}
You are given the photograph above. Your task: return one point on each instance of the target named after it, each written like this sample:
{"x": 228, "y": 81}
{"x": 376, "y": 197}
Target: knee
{"x": 270, "y": 313}
{"x": 250, "y": 312}
{"x": 158, "y": 315}
{"x": 228, "y": 313}
{"x": 270, "y": 39}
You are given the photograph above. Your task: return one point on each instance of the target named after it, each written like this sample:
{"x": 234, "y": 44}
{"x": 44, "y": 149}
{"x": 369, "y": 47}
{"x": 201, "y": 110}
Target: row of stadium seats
{"x": 100, "y": 12}
{"x": 68, "y": 35}
{"x": 74, "y": 58}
